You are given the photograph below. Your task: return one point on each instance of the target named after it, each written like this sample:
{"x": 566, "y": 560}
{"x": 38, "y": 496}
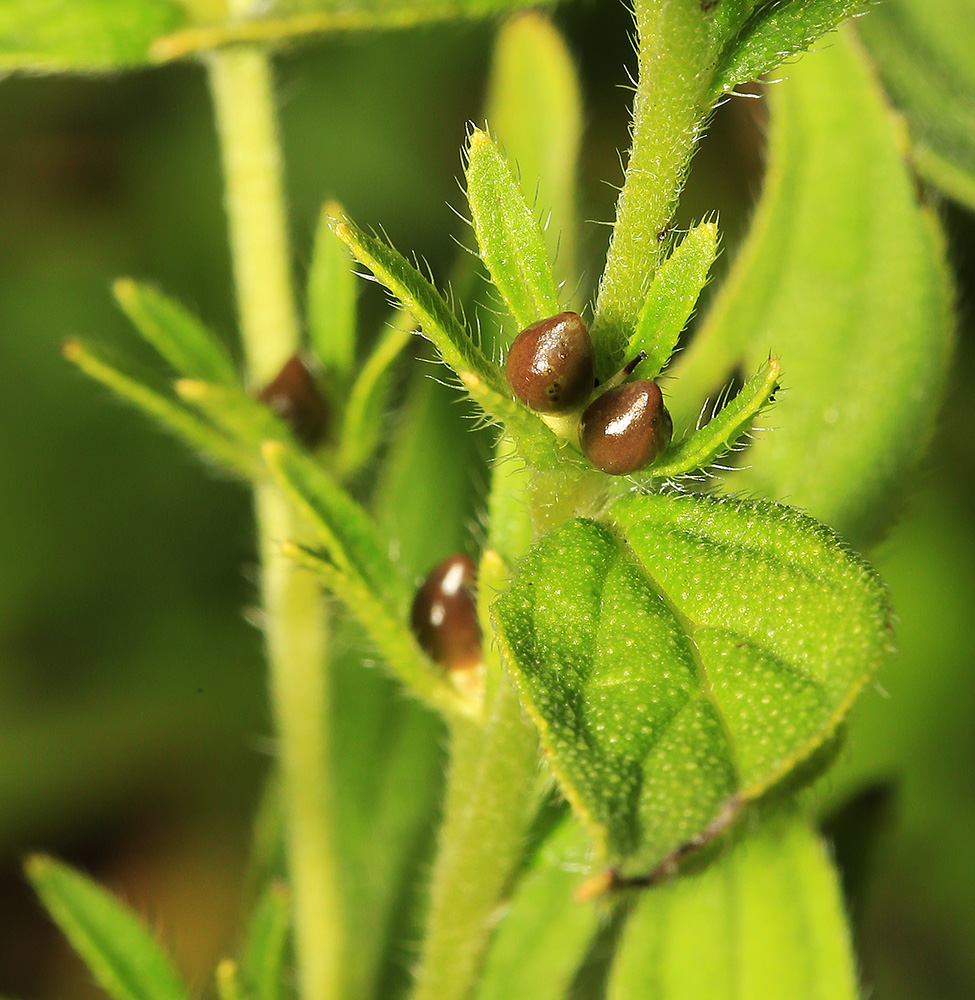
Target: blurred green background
{"x": 133, "y": 726}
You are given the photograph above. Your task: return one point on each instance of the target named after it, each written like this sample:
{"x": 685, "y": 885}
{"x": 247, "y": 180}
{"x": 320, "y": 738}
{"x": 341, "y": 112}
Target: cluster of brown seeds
{"x": 550, "y": 369}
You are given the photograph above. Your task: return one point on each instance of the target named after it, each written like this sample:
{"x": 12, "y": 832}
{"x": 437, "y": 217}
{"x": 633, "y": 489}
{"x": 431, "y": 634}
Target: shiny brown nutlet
{"x": 550, "y": 364}
{"x": 294, "y": 397}
{"x": 626, "y": 428}
{"x": 444, "y": 615}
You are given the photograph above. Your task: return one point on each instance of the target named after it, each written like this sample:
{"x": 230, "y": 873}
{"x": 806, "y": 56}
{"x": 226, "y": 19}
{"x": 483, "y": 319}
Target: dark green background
{"x": 133, "y": 725}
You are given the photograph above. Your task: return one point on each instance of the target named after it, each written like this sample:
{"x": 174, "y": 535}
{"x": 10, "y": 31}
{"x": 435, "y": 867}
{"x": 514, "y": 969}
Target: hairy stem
{"x": 295, "y": 625}
{"x": 490, "y": 792}
{"x": 678, "y": 42}
{"x": 490, "y": 783}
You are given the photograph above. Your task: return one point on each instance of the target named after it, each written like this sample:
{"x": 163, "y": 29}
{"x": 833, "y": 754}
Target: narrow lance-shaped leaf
{"x": 418, "y": 295}
{"x": 545, "y": 931}
{"x": 775, "y": 32}
{"x": 535, "y": 440}
{"x": 842, "y": 274}
{"x": 122, "y": 955}
{"x": 365, "y": 409}
{"x": 263, "y": 954}
{"x": 393, "y": 639}
{"x": 156, "y": 401}
{"x": 764, "y": 921}
{"x": 684, "y": 657}
{"x": 239, "y": 415}
{"x": 342, "y": 525}
{"x": 508, "y": 235}
{"x": 332, "y": 293}
{"x": 534, "y": 107}
{"x": 671, "y": 299}
{"x": 191, "y": 349}
{"x": 703, "y": 447}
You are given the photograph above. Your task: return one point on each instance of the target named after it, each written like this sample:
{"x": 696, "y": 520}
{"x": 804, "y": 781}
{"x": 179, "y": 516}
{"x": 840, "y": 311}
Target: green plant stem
{"x": 678, "y": 43}
{"x": 295, "y": 625}
{"x": 490, "y": 793}
{"x": 491, "y": 783}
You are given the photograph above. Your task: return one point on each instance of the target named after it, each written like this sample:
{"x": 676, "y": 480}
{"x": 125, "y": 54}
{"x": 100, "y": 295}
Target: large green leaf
{"x": 87, "y": 35}
{"x": 923, "y": 51}
{"x": 121, "y": 953}
{"x": 843, "y": 278}
{"x": 765, "y": 921}
{"x": 683, "y": 657}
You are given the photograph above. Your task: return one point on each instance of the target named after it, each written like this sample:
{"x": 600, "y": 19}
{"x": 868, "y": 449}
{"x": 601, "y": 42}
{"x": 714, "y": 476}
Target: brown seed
{"x": 444, "y": 615}
{"x": 626, "y": 428}
{"x": 294, "y": 397}
{"x": 550, "y": 364}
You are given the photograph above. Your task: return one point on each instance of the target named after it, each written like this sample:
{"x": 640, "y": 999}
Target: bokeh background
{"x": 134, "y": 733}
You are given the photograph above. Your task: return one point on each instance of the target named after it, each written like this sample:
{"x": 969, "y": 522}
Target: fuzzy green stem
{"x": 490, "y": 783}
{"x": 678, "y": 44}
{"x": 295, "y": 625}
{"x": 490, "y": 794}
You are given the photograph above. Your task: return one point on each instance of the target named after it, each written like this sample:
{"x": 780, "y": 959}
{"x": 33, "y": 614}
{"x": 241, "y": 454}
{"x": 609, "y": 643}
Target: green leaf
{"x": 86, "y": 35}
{"x": 843, "y": 278}
{"x": 545, "y": 931}
{"x": 775, "y": 32}
{"x": 671, "y": 299}
{"x": 765, "y": 921}
{"x": 534, "y": 107}
{"x": 923, "y": 55}
{"x": 121, "y": 954}
{"x": 239, "y": 415}
{"x": 418, "y": 295}
{"x": 723, "y": 430}
{"x": 56, "y": 35}
{"x": 350, "y": 535}
{"x": 684, "y": 658}
{"x": 332, "y": 307}
{"x": 138, "y": 388}
{"x": 536, "y": 441}
{"x": 299, "y": 18}
{"x": 262, "y": 957}
{"x": 509, "y": 236}
{"x": 191, "y": 349}
{"x": 365, "y": 410}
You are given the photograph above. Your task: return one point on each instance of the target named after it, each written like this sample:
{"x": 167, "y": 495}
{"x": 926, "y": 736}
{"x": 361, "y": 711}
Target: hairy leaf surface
{"x": 684, "y": 656}
{"x": 508, "y": 234}
{"x": 775, "y": 32}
